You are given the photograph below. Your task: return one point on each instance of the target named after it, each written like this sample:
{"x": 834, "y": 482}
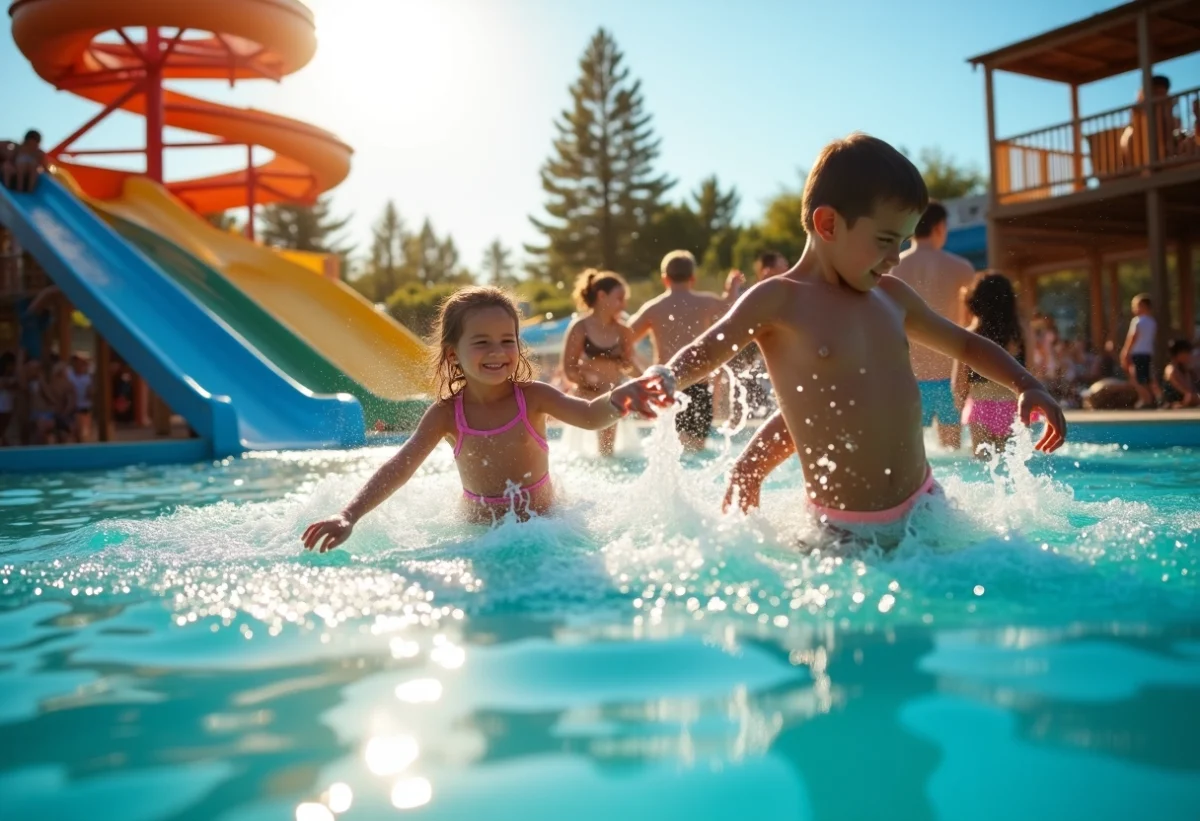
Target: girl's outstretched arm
{"x": 437, "y": 423}
{"x": 595, "y": 414}
{"x": 770, "y": 447}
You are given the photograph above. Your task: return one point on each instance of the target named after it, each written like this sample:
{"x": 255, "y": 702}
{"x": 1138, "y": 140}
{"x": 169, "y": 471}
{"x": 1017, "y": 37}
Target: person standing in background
{"x": 939, "y": 278}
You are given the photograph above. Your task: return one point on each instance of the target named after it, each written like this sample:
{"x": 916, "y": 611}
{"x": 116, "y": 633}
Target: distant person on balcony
{"x": 23, "y": 163}
{"x": 1138, "y": 353}
{"x": 1135, "y": 140}
{"x": 939, "y": 278}
{"x": 1179, "y": 388}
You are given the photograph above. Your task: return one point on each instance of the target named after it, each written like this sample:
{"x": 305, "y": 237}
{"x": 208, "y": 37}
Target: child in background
{"x": 598, "y": 347}
{"x": 491, "y": 413}
{"x": 61, "y": 394}
{"x": 24, "y": 163}
{"x": 835, "y": 334}
{"x": 1138, "y": 353}
{"x": 989, "y": 409}
{"x": 1179, "y": 390}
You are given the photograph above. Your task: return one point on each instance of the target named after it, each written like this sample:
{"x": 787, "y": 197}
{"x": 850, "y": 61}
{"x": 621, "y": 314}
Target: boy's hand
{"x": 1056, "y": 425}
{"x": 747, "y": 484}
{"x": 640, "y": 396}
{"x": 328, "y": 533}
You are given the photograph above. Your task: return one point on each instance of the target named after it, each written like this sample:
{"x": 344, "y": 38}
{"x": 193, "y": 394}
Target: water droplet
{"x": 862, "y": 370}
{"x": 823, "y": 351}
{"x": 720, "y": 337}
{"x": 799, "y": 389}
{"x": 978, "y": 590}
{"x": 887, "y": 471}
{"x": 671, "y": 317}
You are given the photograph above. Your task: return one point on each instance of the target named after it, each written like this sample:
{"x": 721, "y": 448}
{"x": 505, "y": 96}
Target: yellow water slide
{"x": 364, "y": 343}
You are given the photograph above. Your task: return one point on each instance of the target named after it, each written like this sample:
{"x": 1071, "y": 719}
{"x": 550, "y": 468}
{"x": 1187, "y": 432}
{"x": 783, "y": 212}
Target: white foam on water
{"x": 639, "y": 542}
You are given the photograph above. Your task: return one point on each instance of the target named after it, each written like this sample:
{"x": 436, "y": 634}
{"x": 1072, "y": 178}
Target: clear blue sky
{"x": 449, "y": 103}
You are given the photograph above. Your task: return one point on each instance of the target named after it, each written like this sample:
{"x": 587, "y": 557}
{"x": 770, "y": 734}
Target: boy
{"x": 675, "y": 318}
{"x": 1179, "y": 391}
{"x": 835, "y": 334}
{"x": 938, "y": 277}
{"x": 1138, "y": 353}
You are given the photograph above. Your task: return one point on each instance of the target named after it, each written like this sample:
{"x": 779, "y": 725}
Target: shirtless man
{"x": 674, "y": 319}
{"x": 938, "y": 278}
{"x": 22, "y": 163}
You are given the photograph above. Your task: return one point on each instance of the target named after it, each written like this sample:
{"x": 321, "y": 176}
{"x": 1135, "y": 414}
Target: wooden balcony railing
{"x": 1082, "y": 154}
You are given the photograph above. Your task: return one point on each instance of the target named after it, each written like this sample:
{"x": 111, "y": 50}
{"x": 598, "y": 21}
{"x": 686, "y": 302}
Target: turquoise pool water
{"x": 1031, "y": 650}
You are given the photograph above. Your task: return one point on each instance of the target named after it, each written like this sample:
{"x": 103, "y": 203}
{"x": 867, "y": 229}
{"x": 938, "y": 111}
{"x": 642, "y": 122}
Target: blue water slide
{"x": 205, "y": 371}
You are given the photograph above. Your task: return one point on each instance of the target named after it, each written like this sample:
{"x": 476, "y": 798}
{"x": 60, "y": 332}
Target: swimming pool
{"x": 1031, "y": 650}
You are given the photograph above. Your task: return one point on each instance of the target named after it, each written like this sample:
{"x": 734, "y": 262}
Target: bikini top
{"x": 465, "y": 430}
{"x": 594, "y": 351}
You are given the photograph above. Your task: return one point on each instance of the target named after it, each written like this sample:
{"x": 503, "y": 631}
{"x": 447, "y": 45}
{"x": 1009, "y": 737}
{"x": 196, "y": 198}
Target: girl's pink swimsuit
{"x": 460, "y": 422}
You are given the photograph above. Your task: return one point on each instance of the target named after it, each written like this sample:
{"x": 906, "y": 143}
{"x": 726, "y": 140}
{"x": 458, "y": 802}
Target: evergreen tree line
{"x": 607, "y": 205}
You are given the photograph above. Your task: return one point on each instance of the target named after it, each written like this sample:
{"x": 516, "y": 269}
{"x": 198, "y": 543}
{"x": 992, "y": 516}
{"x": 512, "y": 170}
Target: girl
{"x": 989, "y": 408}
{"x": 598, "y": 348}
{"x": 491, "y": 413}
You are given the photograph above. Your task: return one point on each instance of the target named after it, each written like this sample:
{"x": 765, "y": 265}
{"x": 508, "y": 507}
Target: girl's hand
{"x": 327, "y": 533}
{"x": 1056, "y": 424}
{"x": 640, "y": 396}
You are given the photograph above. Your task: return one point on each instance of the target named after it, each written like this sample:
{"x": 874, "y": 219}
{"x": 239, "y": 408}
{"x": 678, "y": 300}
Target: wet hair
{"x": 679, "y": 266}
{"x": 33, "y": 134}
{"x": 1142, "y": 299}
{"x": 768, "y": 259}
{"x": 448, "y": 376}
{"x": 1179, "y": 346}
{"x": 994, "y": 302}
{"x": 591, "y": 283}
{"x": 1162, "y": 81}
{"x": 935, "y": 214}
{"x": 855, "y": 174}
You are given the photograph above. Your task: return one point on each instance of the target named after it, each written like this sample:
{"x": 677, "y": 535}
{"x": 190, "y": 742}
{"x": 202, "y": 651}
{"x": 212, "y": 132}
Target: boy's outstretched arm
{"x": 752, "y": 314}
{"x": 928, "y": 328}
{"x": 770, "y": 447}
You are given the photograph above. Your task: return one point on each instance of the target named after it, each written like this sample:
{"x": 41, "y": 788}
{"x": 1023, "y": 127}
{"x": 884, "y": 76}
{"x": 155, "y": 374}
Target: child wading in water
{"x": 990, "y": 409}
{"x": 835, "y": 332}
{"x": 598, "y": 347}
{"x": 491, "y": 413}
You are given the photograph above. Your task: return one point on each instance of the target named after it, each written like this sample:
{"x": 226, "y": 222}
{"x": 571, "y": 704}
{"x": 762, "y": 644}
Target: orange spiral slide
{"x": 117, "y": 53}
{"x": 187, "y": 39}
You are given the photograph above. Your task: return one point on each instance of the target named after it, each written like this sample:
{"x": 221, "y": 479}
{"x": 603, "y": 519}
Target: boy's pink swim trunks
{"x": 877, "y": 517}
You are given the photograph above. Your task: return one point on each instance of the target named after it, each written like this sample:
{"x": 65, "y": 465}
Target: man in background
{"x": 938, "y": 277}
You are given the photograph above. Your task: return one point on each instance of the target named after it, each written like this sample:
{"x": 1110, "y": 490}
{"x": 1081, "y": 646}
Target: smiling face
{"x": 862, "y": 253}
{"x": 488, "y": 351}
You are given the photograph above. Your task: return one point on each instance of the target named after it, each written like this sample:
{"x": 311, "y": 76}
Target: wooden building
{"x": 1124, "y": 184}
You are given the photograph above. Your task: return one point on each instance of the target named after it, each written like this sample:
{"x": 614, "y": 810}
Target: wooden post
{"x": 103, "y": 389}
{"x": 1114, "y": 302}
{"x": 141, "y": 401}
{"x": 1160, "y": 290}
{"x": 1077, "y": 136}
{"x": 161, "y": 415}
{"x": 63, "y": 320}
{"x": 1146, "y": 63}
{"x": 993, "y": 233}
{"x": 1187, "y": 286}
{"x": 1096, "y": 299}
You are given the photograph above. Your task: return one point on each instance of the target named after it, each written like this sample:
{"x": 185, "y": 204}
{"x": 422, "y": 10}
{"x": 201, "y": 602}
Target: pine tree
{"x": 601, "y": 188}
{"x": 386, "y": 265}
{"x": 497, "y": 266}
{"x": 302, "y": 227}
{"x": 715, "y": 209}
